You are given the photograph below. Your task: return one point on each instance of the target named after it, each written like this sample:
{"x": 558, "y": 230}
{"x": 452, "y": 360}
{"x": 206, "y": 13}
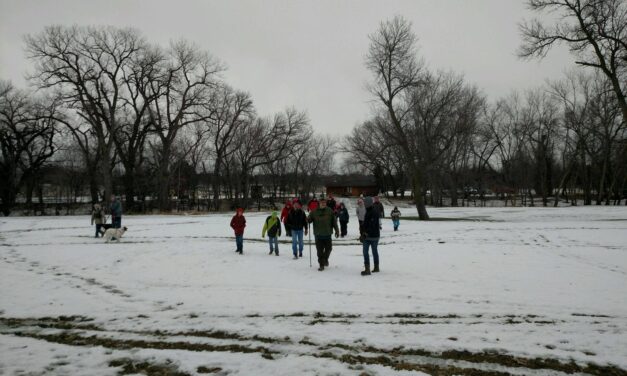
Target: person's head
{"x": 368, "y": 201}
{"x": 376, "y": 198}
{"x": 323, "y": 203}
{"x": 297, "y": 205}
{"x": 396, "y": 208}
{"x": 288, "y": 204}
{"x": 360, "y": 202}
{"x": 112, "y": 197}
{"x": 97, "y": 206}
{"x": 239, "y": 211}
{"x": 274, "y": 213}
{"x": 342, "y": 206}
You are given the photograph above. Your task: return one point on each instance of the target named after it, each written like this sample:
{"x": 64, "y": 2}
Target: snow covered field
{"x": 521, "y": 291}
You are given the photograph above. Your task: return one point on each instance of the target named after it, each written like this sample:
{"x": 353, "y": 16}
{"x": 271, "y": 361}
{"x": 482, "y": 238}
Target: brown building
{"x": 351, "y": 185}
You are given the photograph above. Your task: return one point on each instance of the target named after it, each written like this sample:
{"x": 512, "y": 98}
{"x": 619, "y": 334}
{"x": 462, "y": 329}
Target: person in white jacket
{"x": 361, "y": 215}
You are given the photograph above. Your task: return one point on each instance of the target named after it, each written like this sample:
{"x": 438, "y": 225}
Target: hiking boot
{"x": 321, "y": 268}
{"x": 326, "y": 263}
{"x": 295, "y": 257}
{"x": 276, "y": 254}
{"x": 366, "y": 270}
{"x": 271, "y": 252}
{"x": 376, "y": 268}
{"x": 300, "y": 254}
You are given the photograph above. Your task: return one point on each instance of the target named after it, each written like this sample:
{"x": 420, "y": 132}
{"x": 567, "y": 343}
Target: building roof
{"x": 354, "y": 180}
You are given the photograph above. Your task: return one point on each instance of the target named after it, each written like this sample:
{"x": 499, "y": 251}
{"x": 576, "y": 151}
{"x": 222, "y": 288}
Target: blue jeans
{"x": 396, "y": 222}
{"x": 116, "y": 222}
{"x": 239, "y": 242}
{"x": 374, "y": 242}
{"x": 297, "y": 239}
{"x": 274, "y": 241}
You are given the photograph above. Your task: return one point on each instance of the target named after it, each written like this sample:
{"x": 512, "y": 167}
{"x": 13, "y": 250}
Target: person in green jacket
{"x": 272, "y": 226}
{"x": 324, "y": 224}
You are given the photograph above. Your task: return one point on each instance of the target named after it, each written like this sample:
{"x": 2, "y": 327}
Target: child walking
{"x": 238, "y": 223}
{"x": 272, "y": 226}
{"x": 396, "y": 218}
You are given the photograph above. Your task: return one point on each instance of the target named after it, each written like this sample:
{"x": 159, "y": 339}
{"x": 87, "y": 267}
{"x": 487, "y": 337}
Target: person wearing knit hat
{"x": 371, "y": 236}
{"x": 272, "y": 226}
{"x": 284, "y": 213}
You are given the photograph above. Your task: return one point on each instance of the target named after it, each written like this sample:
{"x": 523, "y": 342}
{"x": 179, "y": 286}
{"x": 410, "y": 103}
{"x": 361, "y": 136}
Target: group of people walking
{"x": 324, "y": 215}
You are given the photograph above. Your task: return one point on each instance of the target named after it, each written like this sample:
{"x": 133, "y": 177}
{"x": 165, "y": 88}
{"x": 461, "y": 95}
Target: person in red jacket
{"x": 284, "y": 213}
{"x": 313, "y": 205}
{"x": 238, "y": 222}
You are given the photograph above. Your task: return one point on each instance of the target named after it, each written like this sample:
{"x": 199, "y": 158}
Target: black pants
{"x": 323, "y": 246}
{"x": 343, "y": 230}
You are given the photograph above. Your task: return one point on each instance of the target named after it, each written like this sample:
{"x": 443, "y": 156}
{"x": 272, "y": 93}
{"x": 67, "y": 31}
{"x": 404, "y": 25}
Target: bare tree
{"x": 85, "y": 65}
{"x": 181, "y": 93}
{"x": 392, "y": 58}
{"x": 594, "y": 30}
{"x": 27, "y": 139}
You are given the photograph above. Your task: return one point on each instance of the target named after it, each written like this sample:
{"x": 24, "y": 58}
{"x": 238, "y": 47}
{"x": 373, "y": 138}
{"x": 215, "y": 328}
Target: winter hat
{"x": 274, "y": 213}
{"x": 239, "y": 210}
{"x": 97, "y": 206}
{"x": 297, "y": 204}
{"x": 368, "y": 201}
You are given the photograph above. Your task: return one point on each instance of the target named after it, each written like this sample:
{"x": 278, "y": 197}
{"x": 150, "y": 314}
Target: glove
{"x": 337, "y": 234}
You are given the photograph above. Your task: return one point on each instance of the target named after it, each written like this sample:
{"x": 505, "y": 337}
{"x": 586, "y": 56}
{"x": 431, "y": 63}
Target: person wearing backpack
{"x": 272, "y": 226}
{"x": 371, "y": 236}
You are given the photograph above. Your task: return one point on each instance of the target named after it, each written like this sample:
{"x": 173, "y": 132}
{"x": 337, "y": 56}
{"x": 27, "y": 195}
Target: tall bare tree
{"x": 594, "y": 30}
{"x": 85, "y": 66}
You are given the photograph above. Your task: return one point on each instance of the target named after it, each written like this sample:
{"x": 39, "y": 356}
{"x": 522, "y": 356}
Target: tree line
{"x": 438, "y": 135}
{"x": 123, "y": 115}
{"x": 109, "y": 107}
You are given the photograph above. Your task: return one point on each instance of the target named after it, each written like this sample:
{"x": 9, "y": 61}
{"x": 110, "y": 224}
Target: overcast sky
{"x": 307, "y": 54}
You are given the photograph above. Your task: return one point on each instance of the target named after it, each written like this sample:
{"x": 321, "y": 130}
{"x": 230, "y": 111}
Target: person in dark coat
{"x": 238, "y": 223}
{"x": 331, "y": 203}
{"x": 272, "y": 226}
{"x": 371, "y": 236}
{"x": 379, "y": 206}
{"x": 297, "y": 222}
{"x": 324, "y": 223}
{"x": 343, "y": 216}
{"x": 116, "y": 212}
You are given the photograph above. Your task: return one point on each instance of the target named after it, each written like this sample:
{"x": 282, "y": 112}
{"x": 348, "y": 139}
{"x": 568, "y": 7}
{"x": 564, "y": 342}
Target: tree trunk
{"x": 418, "y": 196}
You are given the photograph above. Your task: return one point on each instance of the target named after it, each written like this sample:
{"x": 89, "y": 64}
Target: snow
{"x": 526, "y": 282}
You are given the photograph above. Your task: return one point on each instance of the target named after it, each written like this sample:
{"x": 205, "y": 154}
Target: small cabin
{"x": 351, "y": 185}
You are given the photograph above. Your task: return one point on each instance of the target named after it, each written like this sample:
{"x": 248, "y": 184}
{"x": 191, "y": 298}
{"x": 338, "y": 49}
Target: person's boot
{"x": 376, "y": 268}
{"x": 271, "y": 252}
{"x": 366, "y": 270}
{"x": 276, "y": 253}
{"x": 326, "y": 263}
{"x": 321, "y": 268}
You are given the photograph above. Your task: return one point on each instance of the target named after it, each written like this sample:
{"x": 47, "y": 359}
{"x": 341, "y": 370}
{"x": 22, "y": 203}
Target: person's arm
{"x": 265, "y": 228}
{"x": 92, "y": 218}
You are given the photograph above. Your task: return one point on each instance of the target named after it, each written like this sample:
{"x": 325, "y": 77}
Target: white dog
{"x": 114, "y": 234}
